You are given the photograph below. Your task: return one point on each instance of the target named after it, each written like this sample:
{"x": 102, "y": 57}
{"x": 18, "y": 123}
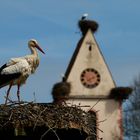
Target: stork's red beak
{"x": 37, "y": 46}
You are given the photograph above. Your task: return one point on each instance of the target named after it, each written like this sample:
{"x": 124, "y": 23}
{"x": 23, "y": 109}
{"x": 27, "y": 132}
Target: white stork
{"x": 17, "y": 70}
{"x": 84, "y": 16}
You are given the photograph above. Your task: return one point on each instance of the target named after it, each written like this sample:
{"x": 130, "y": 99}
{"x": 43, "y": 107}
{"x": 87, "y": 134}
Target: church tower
{"x": 91, "y": 84}
{"x": 88, "y": 84}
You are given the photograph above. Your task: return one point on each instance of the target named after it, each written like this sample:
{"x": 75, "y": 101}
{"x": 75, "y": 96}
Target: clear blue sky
{"x": 53, "y": 23}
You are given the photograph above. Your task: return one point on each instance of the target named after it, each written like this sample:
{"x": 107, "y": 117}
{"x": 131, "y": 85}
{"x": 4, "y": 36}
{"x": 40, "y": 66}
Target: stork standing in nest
{"x": 17, "y": 70}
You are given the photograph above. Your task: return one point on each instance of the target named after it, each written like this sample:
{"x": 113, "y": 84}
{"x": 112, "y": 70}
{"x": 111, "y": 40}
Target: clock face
{"x": 90, "y": 78}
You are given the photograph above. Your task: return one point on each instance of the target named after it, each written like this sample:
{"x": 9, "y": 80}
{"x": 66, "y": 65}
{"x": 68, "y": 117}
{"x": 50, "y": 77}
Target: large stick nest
{"x": 49, "y": 115}
{"x": 61, "y": 91}
{"x": 120, "y": 93}
{"x": 84, "y": 25}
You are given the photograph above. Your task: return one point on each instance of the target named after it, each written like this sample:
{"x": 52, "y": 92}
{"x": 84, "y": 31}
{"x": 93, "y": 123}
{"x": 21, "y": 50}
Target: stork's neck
{"x": 33, "y": 51}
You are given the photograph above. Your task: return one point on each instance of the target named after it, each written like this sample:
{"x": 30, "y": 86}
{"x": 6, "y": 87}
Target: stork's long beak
{"x": 38, "y": 47}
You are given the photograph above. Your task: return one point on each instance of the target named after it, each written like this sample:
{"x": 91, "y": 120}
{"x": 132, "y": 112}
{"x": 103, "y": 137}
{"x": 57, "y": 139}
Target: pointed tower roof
{"x": 84, "y": 26}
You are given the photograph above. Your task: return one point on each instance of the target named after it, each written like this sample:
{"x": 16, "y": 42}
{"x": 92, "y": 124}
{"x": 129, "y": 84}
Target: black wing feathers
{"x": 6, "y": 78}
{"x": 4, "y": 66}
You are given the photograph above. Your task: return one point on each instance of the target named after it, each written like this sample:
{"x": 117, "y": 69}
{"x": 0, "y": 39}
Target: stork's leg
{"x": 18, "y": 92}
{"x": 8, "y": 91}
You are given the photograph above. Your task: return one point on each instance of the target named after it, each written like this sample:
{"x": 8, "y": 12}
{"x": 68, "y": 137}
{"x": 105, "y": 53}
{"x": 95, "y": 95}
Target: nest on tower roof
{"x": 84, "y": 25}
{"x": 52, "y": 116}
{"x": 120, "y": 93}
{"x": 60, "y": 91}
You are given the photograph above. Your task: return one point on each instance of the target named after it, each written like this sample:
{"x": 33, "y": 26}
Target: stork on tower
{"x": 84, "y": 16}
{"x": 17, "y": 70}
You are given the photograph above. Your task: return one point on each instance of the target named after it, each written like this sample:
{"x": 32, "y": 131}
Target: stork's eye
{"x": 34, "y": 42}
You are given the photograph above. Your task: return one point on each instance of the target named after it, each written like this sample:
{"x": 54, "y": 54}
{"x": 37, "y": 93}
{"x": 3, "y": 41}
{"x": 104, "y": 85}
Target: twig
{"x": 10, "y": 116}
{"x": 39, "y": 117}
{"x": 102, "y": 121}
{"x": 48, "y": 131}
{"x": 94, "y": 105}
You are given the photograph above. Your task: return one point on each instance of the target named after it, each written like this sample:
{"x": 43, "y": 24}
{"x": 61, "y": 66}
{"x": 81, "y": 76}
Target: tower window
{"x": 90, "y": 48}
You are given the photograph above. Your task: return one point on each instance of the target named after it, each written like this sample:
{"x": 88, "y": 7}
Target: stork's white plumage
{"x": 84, "y": 16}
{"x": 17, "y": 70}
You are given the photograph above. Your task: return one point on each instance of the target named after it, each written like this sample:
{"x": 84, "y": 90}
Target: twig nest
{"x": 36, "y": 117}
{"x": 84, "y": 25}
{"x": 120, "y": 93}
{"x": 61, "y": 91}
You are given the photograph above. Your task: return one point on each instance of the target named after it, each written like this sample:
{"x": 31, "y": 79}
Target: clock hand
{"x": 90, "y": 79}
